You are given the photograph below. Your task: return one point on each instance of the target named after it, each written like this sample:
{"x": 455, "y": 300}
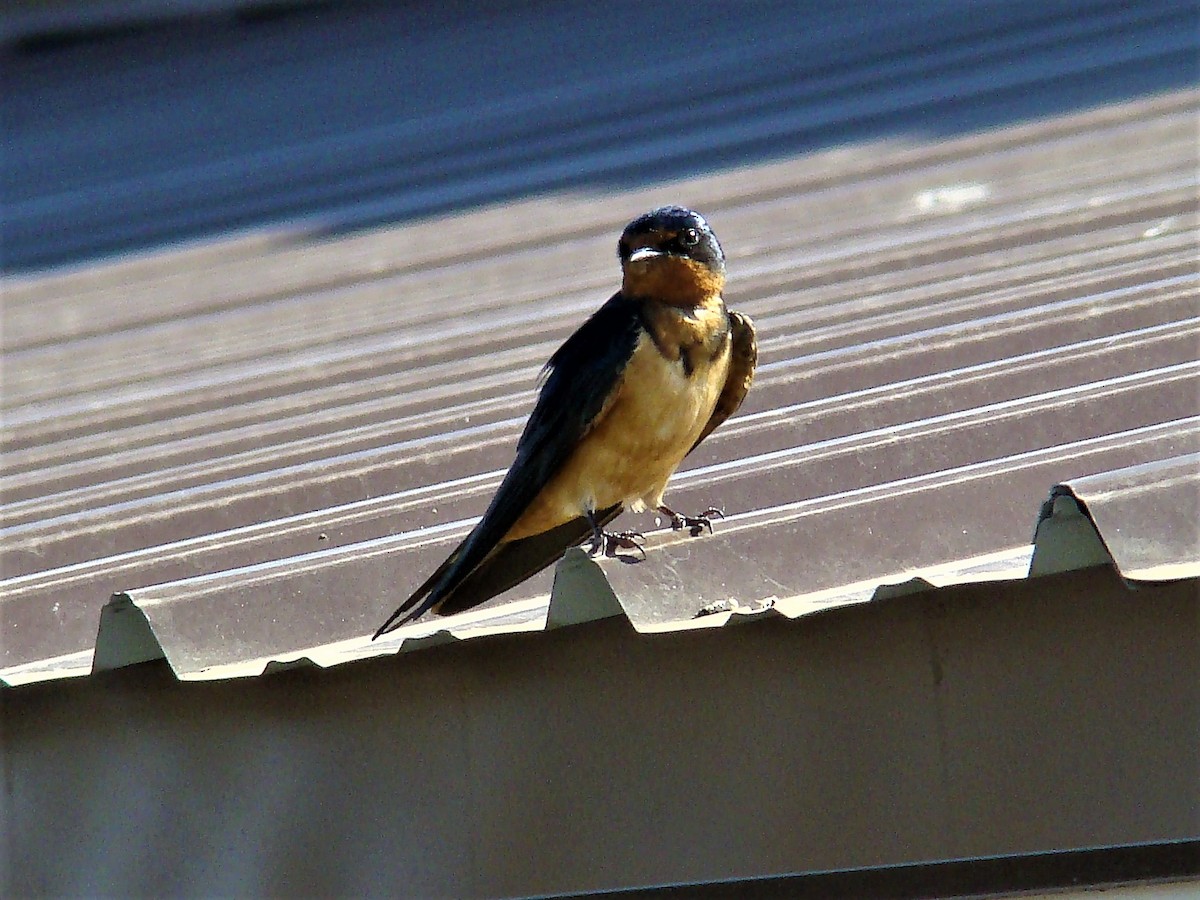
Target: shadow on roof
{"x": 336, "y": 118}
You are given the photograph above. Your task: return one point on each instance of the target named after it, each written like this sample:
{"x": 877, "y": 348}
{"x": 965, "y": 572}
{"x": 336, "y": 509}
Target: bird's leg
{"x": 609, "y": 544}
{"x": 695, "y": 524}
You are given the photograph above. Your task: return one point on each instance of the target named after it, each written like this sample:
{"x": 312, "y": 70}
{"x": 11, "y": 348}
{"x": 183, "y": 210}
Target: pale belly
{"x": 633, "y": 451}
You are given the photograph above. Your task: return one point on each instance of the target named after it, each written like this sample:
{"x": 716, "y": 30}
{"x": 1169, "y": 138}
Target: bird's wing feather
{"x": 742, "y": 360}
{"x": 512, "y": 562}
{"x": 581, "y": 379}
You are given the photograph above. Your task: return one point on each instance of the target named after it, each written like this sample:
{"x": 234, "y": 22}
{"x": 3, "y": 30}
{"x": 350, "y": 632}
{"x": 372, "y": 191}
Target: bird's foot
{"x": 694, "y": 524}
{"x": 610, "y": 544}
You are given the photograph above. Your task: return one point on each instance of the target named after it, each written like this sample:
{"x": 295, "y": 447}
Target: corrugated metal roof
{"x": 267, "y": 438}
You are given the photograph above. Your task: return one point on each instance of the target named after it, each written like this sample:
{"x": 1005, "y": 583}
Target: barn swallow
{"x": 631, "y": 393}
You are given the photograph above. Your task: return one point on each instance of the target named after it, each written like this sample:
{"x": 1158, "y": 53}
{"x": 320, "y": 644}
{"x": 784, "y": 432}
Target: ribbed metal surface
{"x": 1149, "y": 539}
{"x": 288, "y": 427}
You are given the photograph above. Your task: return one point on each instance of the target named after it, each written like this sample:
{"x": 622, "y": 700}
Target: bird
{"x": 626, "y": 397}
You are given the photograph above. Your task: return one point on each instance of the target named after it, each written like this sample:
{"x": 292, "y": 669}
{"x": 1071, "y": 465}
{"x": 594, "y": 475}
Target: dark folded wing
{"x": 581, "y": 379}
{"x": 742, "y": 360}
{"x": 512, "y": 562}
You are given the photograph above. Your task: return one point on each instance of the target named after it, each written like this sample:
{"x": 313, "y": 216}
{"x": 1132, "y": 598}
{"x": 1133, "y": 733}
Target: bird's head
{"x": 671, "y": 255}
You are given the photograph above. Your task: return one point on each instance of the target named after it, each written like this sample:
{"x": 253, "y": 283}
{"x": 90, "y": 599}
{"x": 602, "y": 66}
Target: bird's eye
{"x": 689, "y": 237}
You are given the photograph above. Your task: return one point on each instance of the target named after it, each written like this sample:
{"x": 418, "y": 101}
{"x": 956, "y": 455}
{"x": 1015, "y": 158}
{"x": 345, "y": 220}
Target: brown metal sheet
{"x": 1147, "y": 515}
{"x": 266, "y": 439}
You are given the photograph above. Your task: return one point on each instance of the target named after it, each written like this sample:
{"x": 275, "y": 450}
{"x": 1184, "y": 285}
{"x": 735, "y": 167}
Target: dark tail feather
{"x": 413, "y": 608}
{"x": 513, "y": 562}
{"x": 505, "y": 567}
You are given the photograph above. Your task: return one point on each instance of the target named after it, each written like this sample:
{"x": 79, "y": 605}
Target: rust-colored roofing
{"x": 262, "y": 441}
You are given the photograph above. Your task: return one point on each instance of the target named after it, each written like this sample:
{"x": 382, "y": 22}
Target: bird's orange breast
{"x": 655, "y": 417}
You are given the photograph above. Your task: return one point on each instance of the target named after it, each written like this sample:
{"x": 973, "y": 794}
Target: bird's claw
{"x": 610, "y": 544}
{"x": 696, "y": 524}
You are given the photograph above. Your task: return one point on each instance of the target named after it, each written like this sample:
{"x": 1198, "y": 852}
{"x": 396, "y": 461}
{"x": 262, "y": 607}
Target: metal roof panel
{"x": 261, "y": 440}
